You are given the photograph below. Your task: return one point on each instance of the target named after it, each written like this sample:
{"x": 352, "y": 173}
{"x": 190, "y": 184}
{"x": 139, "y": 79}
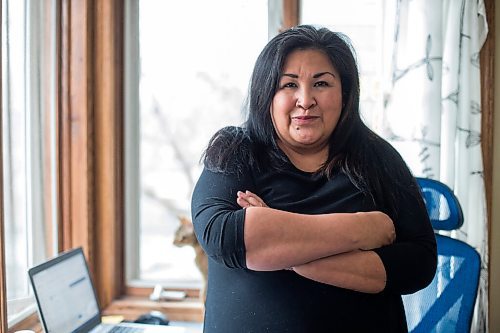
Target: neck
{"x": 305, "y": 159}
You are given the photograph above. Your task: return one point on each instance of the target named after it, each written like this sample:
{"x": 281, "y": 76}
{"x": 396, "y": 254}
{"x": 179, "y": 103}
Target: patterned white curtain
{"x": 433, "y": 110}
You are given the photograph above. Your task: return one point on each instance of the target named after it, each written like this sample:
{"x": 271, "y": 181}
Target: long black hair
{"x": 369, "y": 161}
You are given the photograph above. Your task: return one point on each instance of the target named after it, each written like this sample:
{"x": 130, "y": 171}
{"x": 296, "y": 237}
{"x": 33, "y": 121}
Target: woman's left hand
{"x": 249, "y": 199}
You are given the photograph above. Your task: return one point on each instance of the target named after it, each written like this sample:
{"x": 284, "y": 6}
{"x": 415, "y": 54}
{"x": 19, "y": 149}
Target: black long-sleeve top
{"x": 242, "y": 300}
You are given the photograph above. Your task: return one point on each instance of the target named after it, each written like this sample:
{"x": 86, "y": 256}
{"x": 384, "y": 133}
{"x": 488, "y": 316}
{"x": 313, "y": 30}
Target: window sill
{"x": 29, "y": 323}
{"x": 131, "y": 307}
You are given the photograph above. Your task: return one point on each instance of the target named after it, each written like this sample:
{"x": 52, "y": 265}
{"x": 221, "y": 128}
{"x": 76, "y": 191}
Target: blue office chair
{"x": 447, "y": 304}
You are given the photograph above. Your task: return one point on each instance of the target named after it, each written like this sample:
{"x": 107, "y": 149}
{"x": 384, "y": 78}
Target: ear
{"x": 184, "y": 220}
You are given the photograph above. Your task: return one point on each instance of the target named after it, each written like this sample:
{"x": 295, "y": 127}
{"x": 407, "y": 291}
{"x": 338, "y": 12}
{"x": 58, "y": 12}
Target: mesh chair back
{"x": 442, "y": 205}
{"x": 447, "y": 304}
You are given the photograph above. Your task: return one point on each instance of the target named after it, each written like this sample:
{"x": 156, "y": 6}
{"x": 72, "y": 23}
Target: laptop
{"x": 67, "y": 302}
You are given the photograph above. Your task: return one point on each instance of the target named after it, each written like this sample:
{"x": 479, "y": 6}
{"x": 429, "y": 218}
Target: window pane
{"x": 28, "y": 105}
{"x": 195, "y": 70}
{"x": 365, "y": 23}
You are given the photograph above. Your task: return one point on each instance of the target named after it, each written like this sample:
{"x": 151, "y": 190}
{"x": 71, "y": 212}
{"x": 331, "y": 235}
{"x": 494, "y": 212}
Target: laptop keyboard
{"x": 125, "y": 329}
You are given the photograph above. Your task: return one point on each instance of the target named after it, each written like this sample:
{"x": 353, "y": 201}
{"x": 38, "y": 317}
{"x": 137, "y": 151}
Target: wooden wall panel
{"x": 487, "y": 59}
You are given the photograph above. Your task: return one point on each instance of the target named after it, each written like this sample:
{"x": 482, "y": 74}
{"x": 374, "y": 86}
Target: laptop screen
{"x": 64, "y": 292}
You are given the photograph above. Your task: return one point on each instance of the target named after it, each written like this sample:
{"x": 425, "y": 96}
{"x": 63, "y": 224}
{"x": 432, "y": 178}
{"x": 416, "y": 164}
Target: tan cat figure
{"x": 184, "y": 235}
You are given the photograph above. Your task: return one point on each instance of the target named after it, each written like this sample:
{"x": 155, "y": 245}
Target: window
{"x": 28, "y": 97}
{"x": 192, "y": 80}
{"x": 371, "y": 31}
{"x": 367, "y": 30}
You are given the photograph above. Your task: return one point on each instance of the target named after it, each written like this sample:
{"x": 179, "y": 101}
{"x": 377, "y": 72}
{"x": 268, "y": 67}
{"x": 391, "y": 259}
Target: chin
{"x": 307, "y": 141}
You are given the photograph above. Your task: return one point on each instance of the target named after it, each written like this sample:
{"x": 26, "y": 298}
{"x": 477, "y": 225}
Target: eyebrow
{"x": 315, "y": 76}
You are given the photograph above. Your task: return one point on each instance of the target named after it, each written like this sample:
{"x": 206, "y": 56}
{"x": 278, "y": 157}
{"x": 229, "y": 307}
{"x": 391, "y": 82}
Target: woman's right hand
{"x": 376, "y": 230}
{"x": 249, "y": 199}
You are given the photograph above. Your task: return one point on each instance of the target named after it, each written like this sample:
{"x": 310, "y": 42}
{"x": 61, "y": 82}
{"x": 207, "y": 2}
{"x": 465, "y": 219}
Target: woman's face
{"x": 307, "y": 105}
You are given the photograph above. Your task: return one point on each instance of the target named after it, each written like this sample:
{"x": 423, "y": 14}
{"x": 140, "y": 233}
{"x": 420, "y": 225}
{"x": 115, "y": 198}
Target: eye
{"x": 321, "y": 84}
{"x": 289, "y": 85}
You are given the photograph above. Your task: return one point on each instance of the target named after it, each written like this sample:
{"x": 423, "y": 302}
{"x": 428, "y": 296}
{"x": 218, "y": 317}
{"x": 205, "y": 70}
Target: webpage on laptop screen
{"x": 65, "y": 295}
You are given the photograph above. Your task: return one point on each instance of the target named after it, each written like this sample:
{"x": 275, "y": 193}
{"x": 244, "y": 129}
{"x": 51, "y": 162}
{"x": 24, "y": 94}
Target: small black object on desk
{"x": 153, "y": 318}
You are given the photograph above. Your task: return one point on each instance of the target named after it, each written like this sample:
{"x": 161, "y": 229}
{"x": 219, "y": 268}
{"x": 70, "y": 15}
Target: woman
{"x": 312, "y": 223}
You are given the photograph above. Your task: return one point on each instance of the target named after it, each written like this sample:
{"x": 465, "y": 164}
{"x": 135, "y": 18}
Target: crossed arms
{"x": 328, "y": 248}
{"x": 356, "y": 251}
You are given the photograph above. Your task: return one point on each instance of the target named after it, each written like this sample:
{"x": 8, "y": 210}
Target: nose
{"x": 305, "y": 99}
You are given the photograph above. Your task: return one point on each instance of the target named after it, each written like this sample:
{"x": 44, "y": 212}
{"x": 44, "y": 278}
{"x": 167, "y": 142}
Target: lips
{"x": 303, "y": 120}
{"x": 305, "y": 117}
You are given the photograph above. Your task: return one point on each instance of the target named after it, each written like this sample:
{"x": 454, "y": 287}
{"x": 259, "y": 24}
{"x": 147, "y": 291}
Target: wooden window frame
{"x": 90, "y": 138}
{"x": 291, "y": 14}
